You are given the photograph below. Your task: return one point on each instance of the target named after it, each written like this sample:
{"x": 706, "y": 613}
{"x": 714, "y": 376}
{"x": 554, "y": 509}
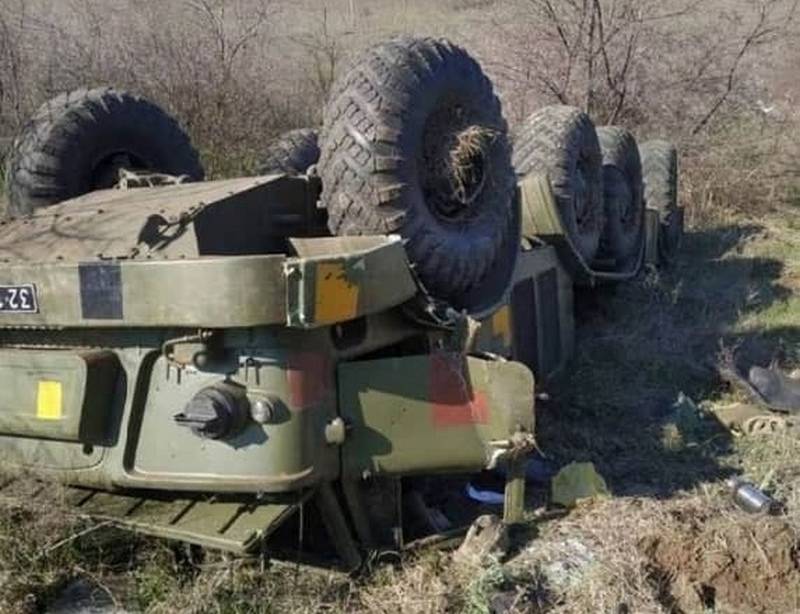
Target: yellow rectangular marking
{"x": 49, "y": 400}
{"x": 336, "y": 298}
{"x": 501, "y": 325}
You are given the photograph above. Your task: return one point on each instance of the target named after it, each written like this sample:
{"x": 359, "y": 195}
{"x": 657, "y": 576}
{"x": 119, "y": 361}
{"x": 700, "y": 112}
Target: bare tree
{"x": 325, "y": 51}
{"x": 230, "y": 28}
{"x": 13, "y": 17}
{"x": 773, "y": 19}
{"x": 606, "y": 55}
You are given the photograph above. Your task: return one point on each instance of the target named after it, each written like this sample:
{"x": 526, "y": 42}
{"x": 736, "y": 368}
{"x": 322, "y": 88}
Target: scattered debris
{"x": 749, "y": 419}
{"x": 768, "y": 424}
{"x": 686, "y": 425}
{"x": 487, "y": 497}
{"x": 750, "y": 498}
{"x": 778, "y": 390}
{"x": 769, "y": 387}
{"x": 734, "y": 416}
{"x": 487, "y": 537}
{"x": 577, "y": 481}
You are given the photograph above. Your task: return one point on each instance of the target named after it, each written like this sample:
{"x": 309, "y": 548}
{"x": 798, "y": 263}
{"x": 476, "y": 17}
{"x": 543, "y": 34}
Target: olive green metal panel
{"x": 652, "y": 221}
{"x": 20, "y": 454}
{"x": 663, "y": 235}
{"x": 536, "y": 326}
{"x": 550, "y": 316}
{"x": 287, "y": 452}
{"x": 293, "y": 370}
{"x": 234, "y": 216}
{"x": 147, "y": 449}
{"x": 341, "y": 278}
{"x": 237, "y": 525}
{"x": 432, "y": 413}
{"x": 214, "y": 292}
{"x": 56, "y": 394}
{"x": 87, "y": 462}
{"x": 541, "y": 220}
{"x": 217, "y": 292}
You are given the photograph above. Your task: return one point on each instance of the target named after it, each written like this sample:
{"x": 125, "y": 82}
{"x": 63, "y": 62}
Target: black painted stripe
{"x": 101, "y": 290}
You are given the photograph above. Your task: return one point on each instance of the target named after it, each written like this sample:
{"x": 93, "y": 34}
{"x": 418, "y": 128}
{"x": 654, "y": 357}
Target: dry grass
{"x": 640, "y": 345}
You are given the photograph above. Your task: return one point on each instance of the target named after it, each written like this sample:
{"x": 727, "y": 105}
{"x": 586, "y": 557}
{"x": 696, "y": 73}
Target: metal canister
{"x": 750, "y": 498}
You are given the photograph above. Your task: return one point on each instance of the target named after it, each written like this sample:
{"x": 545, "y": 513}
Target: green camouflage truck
{"x": 319, "y": 349}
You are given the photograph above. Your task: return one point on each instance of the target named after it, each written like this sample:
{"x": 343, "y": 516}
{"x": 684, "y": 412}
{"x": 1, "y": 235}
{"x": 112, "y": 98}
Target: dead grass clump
{"x": 466, "y": 160}
{"x": 435, "y": 582}
{"x": 590, "y": 560}
{"x": 745, "y": 165}
{"x": 43, "y": 547}
{"x": 416, "y": 588}
{"x": 691, "y": 553}
{"x": 224, "y": 585}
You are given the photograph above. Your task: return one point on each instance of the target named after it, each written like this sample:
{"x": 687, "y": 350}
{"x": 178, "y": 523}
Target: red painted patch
{"x": 453, "y": 402}
{"x": 310, "y": 378}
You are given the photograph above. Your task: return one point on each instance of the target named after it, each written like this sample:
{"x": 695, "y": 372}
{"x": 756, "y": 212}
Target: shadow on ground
{"x": 640, "y": 345}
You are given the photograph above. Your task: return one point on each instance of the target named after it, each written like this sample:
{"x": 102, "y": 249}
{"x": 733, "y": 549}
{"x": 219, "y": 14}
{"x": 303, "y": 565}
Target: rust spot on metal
{"x": 453, "y": 401}
{"x": 310, "y": 376}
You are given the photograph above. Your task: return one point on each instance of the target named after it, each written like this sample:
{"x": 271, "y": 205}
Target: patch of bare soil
{"x": 741, "y": 564}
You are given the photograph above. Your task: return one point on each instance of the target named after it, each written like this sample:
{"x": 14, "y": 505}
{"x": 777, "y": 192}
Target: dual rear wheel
{"x": 602, "y": 183}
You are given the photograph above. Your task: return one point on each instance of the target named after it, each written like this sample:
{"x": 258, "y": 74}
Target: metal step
{"x": 237, "y": 525}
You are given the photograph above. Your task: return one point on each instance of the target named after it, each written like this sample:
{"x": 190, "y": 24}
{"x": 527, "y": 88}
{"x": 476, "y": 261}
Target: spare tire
{"x": 78, "y": 141}
{"x": 660, "y": 177}
{"x": 293, "y": 152}
{"x": 622, "y": 237}
{"x": 561, "y": 143}
{"x": 414, "y": 142}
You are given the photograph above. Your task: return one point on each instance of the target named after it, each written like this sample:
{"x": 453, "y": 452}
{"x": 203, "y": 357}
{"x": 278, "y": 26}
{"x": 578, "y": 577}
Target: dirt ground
{"x": 703, "y": 563}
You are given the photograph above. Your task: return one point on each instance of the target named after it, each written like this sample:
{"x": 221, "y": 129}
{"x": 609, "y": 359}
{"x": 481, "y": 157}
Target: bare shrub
{"x": 742, "y": 163}
{"x": 673, "y": 62}
{"x": 692, "y": 71}
{"x": 325, "y": 53}
{"x": 210, "y": 62}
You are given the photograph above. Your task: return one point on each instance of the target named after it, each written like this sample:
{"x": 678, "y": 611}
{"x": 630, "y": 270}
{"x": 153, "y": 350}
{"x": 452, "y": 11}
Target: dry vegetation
{"x": 714, "y": 75}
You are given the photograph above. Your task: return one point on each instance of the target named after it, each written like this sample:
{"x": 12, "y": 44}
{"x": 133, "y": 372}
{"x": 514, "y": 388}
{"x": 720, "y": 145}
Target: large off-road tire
{"x": 623, "y": 198}
{"x": 414, "y": 142}
{"x": 77, "y": 142}
{"x": 561, "y": 143}
{"x": 660, "y": 177}
{"x": 293, "y": 152}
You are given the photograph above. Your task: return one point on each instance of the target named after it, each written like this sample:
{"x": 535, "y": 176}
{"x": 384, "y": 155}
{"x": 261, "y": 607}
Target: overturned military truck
{"x": 317, "y": 350}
